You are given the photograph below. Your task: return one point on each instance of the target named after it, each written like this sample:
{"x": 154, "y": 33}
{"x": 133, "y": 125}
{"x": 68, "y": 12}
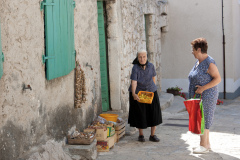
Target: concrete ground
{"x": 177, "y": 143}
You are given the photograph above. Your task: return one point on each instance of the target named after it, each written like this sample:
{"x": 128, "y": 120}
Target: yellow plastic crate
{"x": 110, "y": 117}
{"x": 145, "y": 97}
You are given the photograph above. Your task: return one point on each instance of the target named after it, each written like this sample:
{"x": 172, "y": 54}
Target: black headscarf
{"x": 135, "y": 61}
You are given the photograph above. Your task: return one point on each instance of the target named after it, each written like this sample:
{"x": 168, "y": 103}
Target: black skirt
{"x": 142, "y": 115}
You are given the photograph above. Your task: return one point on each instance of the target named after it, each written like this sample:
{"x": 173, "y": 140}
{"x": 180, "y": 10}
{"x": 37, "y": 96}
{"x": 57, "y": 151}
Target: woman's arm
{"x": 154, "y": 80}
{"x": 134, "y": 86}
{"x": 213, "y": 71}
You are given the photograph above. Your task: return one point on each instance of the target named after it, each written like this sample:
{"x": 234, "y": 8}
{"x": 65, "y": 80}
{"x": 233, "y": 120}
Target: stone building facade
{"x": 44, "y": 110}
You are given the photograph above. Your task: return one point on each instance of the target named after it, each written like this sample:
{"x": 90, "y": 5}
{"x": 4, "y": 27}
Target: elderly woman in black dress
{"x": 142, "y": 115}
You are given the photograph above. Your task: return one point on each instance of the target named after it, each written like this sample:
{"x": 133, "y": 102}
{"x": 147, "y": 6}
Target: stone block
{"x": 163, "y": 21}
{"x": 77, "y": 152}
{"x": 130, "y": 130}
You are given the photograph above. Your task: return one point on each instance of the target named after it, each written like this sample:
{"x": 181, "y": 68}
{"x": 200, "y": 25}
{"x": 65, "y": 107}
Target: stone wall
{"x": 31, "y": 117}
{"x": 134, "y": 38}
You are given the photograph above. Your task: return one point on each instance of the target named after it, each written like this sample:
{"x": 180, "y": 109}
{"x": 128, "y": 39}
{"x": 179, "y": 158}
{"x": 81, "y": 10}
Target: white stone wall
{"x": 192, "y": 19}
{"x": 23, "y": 46}
{"x": 87, "y": 47}
{"x": 133, "y": 27}
{"x": 236, "y": 39}
{"x": 30, "y": 117}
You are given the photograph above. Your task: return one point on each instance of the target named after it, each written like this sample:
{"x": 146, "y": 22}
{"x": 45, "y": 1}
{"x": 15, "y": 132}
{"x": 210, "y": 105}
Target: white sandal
{"x": 200, "y": 150}
{"x": 210, "y": 149}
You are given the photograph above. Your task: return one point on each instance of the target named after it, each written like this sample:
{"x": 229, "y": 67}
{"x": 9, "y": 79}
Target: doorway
{"x": 103, "y": 56}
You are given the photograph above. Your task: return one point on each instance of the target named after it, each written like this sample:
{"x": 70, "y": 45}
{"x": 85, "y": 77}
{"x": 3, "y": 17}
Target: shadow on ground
{"x": 177, "y": 143}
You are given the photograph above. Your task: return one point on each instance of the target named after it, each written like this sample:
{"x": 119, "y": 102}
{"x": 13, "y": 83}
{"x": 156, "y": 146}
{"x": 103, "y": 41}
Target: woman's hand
{"x": 135, "y": 97}
{"x": 199, "y": 90}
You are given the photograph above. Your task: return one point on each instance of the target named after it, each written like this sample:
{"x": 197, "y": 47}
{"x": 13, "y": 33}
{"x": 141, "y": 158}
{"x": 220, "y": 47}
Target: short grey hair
{"x": 142, "y": 51}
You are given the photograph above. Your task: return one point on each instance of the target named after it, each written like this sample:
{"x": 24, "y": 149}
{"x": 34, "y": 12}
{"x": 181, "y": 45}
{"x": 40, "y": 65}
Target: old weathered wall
{"x": 31, "y": 117}
{"x": 134, "y": 39}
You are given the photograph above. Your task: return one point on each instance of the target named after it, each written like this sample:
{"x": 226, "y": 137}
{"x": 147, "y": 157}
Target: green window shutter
{"x": 103, "y": 58}
{"x": 59, "y": 37}
{"x": 1, "y": 56}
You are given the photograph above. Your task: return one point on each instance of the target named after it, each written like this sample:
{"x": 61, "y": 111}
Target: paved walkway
{"x": 177, "y": 143}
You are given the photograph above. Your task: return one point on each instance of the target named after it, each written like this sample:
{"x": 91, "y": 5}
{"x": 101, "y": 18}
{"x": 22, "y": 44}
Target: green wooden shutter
{"x": 103, "y": 59}
{"x": 59, "y": 37}
{"x": 1, "y": 56}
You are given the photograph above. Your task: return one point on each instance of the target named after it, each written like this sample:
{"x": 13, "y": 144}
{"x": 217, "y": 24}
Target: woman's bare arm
{"x": 154, "y": 80}
{"x": 134, "y": 86}
{"x": 213, "y": 71}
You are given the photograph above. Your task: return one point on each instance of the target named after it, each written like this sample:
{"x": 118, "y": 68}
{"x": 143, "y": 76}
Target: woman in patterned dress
{"x": 204, "y": 78}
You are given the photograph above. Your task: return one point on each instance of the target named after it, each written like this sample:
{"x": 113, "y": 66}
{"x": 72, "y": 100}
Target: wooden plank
{"x": 120, "y": 135}
{"x": 119, "y": 126}
{"x": 120, "y": 131}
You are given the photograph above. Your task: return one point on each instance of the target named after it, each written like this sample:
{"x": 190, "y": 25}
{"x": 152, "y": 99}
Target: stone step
{"x": 166, "y": 100}
{"x": 82, "y": 151}
{"x": 176, "y": 106}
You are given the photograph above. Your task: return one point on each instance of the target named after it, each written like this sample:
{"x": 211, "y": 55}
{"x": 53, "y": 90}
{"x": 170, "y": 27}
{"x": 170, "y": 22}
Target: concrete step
{"x": 166, "y": 100}
{"x": 77, "y": 152}
{"x": 176, "y": 106}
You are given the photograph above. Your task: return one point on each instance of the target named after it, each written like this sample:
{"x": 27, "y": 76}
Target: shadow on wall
{"x": 15, "y": 141}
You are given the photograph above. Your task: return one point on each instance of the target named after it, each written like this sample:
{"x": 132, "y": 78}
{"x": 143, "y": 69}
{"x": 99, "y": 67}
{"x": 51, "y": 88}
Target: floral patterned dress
{"x": 199, "y": 76}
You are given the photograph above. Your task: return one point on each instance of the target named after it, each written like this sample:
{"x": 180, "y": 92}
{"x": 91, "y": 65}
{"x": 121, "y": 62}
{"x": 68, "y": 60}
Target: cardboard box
{"x": 101, "y": 134}
{"x": 104, "y": 146}
{"x": 89, "y": 130}
{"x": 111, "y": 131}
{"x": 115, "y": 138}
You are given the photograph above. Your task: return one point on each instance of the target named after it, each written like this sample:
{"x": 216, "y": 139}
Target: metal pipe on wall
{"x": 224, "y": 69}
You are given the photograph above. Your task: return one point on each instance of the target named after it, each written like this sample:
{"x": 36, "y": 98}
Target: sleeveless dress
{"x": 199, "y": 76}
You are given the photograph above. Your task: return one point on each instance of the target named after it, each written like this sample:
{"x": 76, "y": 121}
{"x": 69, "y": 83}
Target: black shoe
{"x": 141, "y": 138}
{"x": 154, "y": 138}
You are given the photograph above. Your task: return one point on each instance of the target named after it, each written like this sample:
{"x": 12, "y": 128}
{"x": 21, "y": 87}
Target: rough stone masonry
{"x": 31, "y": 119}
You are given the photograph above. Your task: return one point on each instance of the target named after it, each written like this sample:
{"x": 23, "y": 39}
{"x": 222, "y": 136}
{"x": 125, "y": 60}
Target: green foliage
{"x": 175, "y": 88}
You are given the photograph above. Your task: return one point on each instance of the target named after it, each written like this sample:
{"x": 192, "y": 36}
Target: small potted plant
{"x": 174, "y": 90}
{"x": 183, "y": 95}
{"x": 219, "y": 102}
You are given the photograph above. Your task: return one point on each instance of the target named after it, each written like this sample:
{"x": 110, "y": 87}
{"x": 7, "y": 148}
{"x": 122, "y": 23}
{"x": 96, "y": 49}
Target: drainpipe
{"x": 224, "y": 71}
